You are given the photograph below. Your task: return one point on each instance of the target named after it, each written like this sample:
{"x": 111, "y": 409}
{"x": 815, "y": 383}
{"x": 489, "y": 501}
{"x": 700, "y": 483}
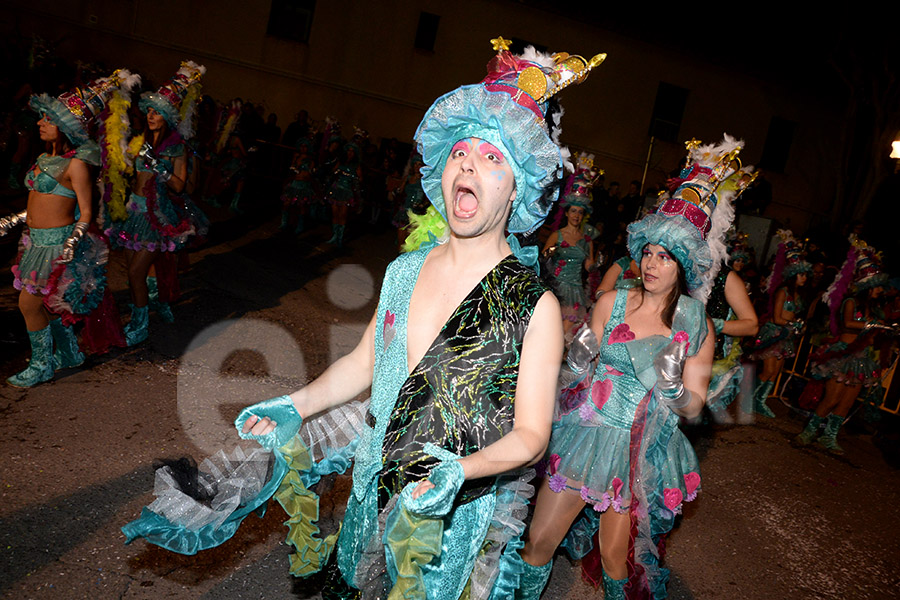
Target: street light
{"x": 895, "y": 152}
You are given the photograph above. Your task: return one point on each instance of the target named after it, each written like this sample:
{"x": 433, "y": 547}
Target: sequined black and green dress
{"x": 459, "y": 397}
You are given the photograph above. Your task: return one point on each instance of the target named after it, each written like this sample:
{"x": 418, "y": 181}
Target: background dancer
{"x": 155, "y": 219}
{"x": 616, "y": 451}
{"x": 779, "y": 335}
{"x": 858, "y": 356}
{"x": 61, "y": 268}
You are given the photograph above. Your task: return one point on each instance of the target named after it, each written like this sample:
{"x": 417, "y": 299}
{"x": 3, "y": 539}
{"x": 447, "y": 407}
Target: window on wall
{"x": 668, "y": 111}
{"x": 426, "y": 32}
{"x": 778, "y": 145}
{"x": 291, "y": 19}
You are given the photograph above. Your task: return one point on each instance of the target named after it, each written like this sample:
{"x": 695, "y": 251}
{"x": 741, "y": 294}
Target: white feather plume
{"x": 722, "y": 216}
{"x": 545, "y": 60}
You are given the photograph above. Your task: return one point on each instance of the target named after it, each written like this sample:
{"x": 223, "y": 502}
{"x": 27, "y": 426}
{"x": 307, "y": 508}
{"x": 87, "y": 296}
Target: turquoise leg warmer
{"x": 828, "y": 439}
{"x": 759, "y": 399}
{"x": 67, "y": 354}
{"x": 40, "y": 368}
{"x": 613, "y": 589}
{"x": 533, "y": 581}
{"x": 806, "y": 437}
{"x": 138, "y": 328}
{"x": 161, "y": 308}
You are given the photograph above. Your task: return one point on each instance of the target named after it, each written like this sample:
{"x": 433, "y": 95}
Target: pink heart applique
{"x": 600, "y": 392}
{"x": 621, "y": 333}
{"x": 691, "y": 483}
{"x": 616, "y": 486}
{"x": 611, "y": 371}
{"x": 672, "y": 498}
{"x": 553, "y": 463}
{"x": 388, "y": 332}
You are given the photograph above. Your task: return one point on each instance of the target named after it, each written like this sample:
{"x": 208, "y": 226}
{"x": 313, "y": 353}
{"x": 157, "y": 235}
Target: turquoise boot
{"x": 337, "y": 236}
{"x": 40, "y": 368}
{"x": 161, "y": 308}
{"x": 284, "y": 222}
{"x": 828, "y": 439}
{"x": 759, "y": 399}
{"x": 613, "y": 589}
{"x": 806, "y": 437}
{"x": 138, "y": 328}
{"x": 235, "y": 200}
{"x": 66, "y": 354}
{"x": 533, "y": 581}
{"x": 300, "y": 226}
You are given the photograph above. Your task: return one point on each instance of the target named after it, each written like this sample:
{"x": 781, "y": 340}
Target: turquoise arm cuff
{"x": 447, "y": 478}
{"x": 282, "y": 411}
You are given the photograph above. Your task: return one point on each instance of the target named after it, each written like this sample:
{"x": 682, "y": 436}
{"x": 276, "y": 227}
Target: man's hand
{"x": 434, "y": 497}
{"x": 271, "y": 422}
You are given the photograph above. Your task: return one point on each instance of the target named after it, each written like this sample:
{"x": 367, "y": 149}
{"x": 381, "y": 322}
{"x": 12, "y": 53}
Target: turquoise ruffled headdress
{"x": 76, "y": 111}
{"x": 176, "y": 100}
{"x": 692, "y": 222}
{"x": 510, "y": 109}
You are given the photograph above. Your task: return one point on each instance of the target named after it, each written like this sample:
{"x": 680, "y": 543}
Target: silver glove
{"x": 581, "y": 353}
{"x": 153, "y": 163}
{"x": 71, "y": 242}
{"x": 669, "y": 365}
{"x": 584, "y": 348}
{"x": 7, "y": 223}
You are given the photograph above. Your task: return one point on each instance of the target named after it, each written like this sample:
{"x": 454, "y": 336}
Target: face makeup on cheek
{"x": 658, "y": 268}
{"x": 478, "y": 185}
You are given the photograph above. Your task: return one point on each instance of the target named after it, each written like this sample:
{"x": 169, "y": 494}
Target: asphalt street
{"x": 262, "y": 313}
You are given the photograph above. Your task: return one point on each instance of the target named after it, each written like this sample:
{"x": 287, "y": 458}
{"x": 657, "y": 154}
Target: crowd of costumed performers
{"x": 144, "y": 210}
{"x": 61, "y": 267}
{"x": 569, "y": 251}
{"x": 438, "y": 497}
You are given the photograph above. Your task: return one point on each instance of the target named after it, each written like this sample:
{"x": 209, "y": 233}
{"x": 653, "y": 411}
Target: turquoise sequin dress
{"x": 158, "y": 219}
{"x": 778, "y": 341}
{"x": 71, "y": 289}
{"x": 611, "y": 432}
{"x": 857, "y": 363}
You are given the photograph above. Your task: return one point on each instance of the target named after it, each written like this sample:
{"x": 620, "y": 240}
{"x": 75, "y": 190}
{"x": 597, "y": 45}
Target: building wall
{"x": 360, "y": 67}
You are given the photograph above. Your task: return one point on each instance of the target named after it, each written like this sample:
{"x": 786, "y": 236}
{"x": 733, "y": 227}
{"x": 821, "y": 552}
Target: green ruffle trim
{"x": 302, "y": 506}
{"x": 413, "y": 542}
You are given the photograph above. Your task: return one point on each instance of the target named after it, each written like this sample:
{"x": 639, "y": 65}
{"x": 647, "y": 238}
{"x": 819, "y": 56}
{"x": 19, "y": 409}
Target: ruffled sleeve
{"x": 690, "y": 318}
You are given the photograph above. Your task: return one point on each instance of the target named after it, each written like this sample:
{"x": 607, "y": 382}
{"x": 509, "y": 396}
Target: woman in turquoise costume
{"x": 344, "y": 191}
{"x": 779, "y": 335}
{"x": 617, "y": 457}
{"x": 61, "y": 269}
{"x": 299, "y": 192}
{"x": 732, "y": 313}
{"x": 571, "y": 250}
{"x": 155, "y": 218}
{"x": 858, "y": 356}
{"x": 475, "y": 410}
